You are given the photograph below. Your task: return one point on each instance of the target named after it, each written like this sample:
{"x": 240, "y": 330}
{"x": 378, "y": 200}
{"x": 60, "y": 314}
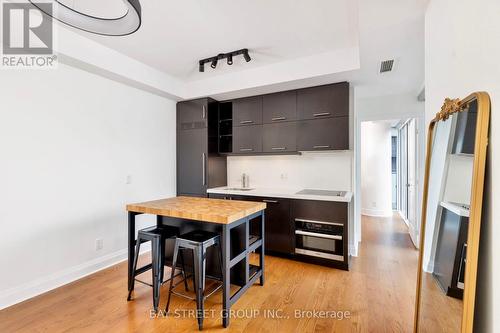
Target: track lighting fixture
{"x": 246, "y": 56}
{"x": 214, "y": 63}
{"x": 229, "y": 56}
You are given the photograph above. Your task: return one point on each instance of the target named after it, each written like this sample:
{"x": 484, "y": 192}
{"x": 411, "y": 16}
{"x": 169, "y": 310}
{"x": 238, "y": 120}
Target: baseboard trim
{"x": 353, "y": 250}
{"x": 413, "y": 235}
{"x": 50, "y": 282}
{"x": 429, "y": 267}
{"x": 376, "y": 213}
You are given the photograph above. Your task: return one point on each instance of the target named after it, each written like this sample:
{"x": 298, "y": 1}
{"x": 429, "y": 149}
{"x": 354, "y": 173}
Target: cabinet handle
{"x": 246, "y": 121}
{"x": 321, "y": 114}
{"x": 203, "y": 112}
{"x": 278, "y": 118}
{"x": 270, "y": 201}
{"x": 203, "y": 163}
{"x": 246, "y": 149}
{"x": 278, "y": 148}
{"x": 321, "y": 147}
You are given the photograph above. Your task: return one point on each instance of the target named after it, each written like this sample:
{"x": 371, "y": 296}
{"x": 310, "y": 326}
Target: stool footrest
{"x": 193, "y": 298}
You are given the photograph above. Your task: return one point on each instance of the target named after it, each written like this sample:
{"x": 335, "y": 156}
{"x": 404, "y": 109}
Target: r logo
{"x": 26, "y": 30}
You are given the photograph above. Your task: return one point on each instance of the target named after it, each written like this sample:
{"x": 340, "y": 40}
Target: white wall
{"x": 328, "y": 170}
{"x": 376, "y": 177}
{"x": 462, "y": 52}
{"x": 68, "y": 141}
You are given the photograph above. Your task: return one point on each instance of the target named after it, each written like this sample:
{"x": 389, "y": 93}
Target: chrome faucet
{"x": 244, "y": 180}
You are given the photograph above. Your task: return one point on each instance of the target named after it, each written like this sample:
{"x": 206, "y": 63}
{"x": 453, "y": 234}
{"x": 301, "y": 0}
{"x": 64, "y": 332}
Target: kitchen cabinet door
{"x": 247, "y": 111}
{"x": 281, "y": 137}
{"x": 323, "y": 101}
{"x": 323, "y": 134}
{"x": 280, "y": 107}
{"x": 280, "y": 231}
{"x": 247, "y": 139}
{"x": 279, "y": 235}
{"x": 192, "y": 114}
{"x": 192, "y": 162}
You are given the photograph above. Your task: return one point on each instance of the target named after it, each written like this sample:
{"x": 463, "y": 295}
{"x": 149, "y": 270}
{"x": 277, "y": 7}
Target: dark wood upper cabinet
{"x": 323, "y": 101}
{"x": 279, "y": 107}
{"x": 247, "y": 139}
{"x": 281, "y": 137}
{"x": 192, "y": 114}
{"x": 247, "y": 111}
{"x": 323, "y": 134}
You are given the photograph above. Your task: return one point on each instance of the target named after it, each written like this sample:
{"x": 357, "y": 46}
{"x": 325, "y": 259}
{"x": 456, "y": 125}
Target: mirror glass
{"x": 447, "y": 222}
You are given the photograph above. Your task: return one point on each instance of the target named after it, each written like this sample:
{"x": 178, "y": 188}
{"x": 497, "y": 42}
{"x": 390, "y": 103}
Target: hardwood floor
{"x": 378, "y": 293}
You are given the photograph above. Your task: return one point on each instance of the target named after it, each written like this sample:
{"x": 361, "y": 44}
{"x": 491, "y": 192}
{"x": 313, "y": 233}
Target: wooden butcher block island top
{"x": 199, "y": 209}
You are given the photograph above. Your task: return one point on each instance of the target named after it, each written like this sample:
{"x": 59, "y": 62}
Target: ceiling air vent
{"x": 386, "y": 66}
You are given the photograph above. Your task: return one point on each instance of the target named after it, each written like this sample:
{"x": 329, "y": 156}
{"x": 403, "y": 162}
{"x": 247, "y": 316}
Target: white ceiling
{"x": 175, "y": 35}
{"x": 278, "y": 33}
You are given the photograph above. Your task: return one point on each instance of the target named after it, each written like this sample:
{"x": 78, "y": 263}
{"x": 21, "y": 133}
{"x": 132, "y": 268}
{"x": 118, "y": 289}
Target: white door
{"x": 412, "y": 175}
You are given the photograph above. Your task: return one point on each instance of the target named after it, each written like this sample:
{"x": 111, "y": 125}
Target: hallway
{"x": 378, "y": 292}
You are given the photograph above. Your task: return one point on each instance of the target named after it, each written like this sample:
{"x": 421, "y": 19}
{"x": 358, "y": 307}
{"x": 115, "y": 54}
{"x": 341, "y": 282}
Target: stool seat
{"x": 198, "y": 236}
{"x": 165, "y": 231}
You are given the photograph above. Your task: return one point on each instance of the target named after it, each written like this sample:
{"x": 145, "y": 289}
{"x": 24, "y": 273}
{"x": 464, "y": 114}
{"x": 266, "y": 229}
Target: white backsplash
{"x": 318, "y": 170}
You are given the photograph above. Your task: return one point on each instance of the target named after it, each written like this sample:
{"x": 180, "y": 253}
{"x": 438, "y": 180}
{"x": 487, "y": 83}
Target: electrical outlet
{"x": 374, "y": 204}
{"x": 284, "y": 176}
{"x": 99, "y": 244}
{"x": 128, "y": 180}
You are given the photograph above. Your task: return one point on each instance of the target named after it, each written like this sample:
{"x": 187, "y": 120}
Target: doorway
{"x": 389, "y": 170}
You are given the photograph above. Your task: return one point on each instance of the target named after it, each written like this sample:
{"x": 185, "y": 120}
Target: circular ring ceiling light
{"x": 120, "y": 26}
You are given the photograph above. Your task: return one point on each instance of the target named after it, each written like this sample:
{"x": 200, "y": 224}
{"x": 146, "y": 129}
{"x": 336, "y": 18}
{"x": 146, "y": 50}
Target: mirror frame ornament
{"x": 450, "y": 107}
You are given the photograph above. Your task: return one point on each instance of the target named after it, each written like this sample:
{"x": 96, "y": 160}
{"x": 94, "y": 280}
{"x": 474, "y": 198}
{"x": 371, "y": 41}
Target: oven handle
{"x": 314, "y": 234}
{"x": 320, "y": 222}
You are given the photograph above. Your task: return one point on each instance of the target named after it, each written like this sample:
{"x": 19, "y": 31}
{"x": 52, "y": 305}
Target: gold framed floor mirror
{"x": 452, "y": 201}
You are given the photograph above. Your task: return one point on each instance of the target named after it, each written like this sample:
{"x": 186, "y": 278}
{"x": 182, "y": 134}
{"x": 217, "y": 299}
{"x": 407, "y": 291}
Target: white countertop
{"x": 455, "y": 208}
{"x": 279, "y": 193}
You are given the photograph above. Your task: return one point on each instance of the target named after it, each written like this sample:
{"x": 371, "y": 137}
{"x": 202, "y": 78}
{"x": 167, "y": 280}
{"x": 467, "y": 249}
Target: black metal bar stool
{"x": 157, "y": 235}
{"x": 198, "y": 241}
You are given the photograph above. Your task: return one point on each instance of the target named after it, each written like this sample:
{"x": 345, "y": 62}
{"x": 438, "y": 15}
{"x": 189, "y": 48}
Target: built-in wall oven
{"x": 321, "y": 239}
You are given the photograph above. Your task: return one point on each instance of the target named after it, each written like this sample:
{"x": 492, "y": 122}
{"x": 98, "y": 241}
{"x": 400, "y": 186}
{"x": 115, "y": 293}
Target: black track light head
{"x": 229, "y": 56}
{"x": 214, "y": 63}
{"x": 246, "y": 56}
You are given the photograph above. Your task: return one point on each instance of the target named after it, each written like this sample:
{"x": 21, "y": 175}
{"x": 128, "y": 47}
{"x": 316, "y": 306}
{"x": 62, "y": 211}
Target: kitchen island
{"x": 232, "y": 219}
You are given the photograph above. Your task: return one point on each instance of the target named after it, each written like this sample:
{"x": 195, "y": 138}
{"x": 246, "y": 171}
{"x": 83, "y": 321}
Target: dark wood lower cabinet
{"x": 291, "y": 226}
{"x": 279, "y": 229}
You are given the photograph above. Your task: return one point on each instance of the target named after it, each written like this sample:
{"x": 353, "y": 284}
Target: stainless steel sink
{"x": 238, "y": 189}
